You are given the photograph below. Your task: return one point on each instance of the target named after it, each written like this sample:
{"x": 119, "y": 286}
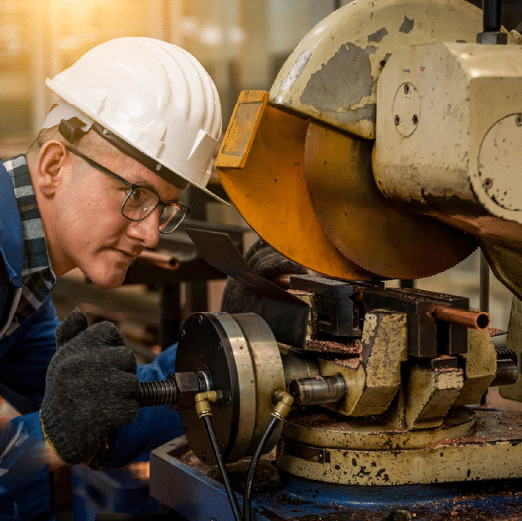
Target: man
{"x": 137, "y": 121}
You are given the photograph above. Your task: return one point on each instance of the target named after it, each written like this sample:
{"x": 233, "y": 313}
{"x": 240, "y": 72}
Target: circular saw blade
{"x": 269, "y": 191}
{"x": 361, "y": 223}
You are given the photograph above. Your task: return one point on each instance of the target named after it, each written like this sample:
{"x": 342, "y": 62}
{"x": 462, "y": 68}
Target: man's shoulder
{"x": 8, "y": 206}
{"x": 11, "y": 239}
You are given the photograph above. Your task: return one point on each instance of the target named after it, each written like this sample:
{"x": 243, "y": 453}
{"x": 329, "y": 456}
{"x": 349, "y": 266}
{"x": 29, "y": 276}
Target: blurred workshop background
{"x": 242, "y": 44}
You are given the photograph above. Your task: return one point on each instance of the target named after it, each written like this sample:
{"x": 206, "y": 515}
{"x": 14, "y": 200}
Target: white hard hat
{"x": 151, "y": 94}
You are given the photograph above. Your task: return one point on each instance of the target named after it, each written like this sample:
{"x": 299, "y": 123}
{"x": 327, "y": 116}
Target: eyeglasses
{"x": 141, "y": 202}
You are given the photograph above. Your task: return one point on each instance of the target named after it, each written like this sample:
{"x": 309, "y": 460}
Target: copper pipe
{"x": 162, "y": 260}
{"x": 478, "y": 320}
{"x": 283, "y": 280}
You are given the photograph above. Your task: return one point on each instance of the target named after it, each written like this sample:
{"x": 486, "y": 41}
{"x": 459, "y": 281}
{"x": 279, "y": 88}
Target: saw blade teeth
{"x": 361, "y": 223}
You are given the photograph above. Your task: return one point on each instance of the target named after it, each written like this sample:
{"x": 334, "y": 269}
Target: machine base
{"x": 202, "y": 498}
{"x": 486, "y": 445}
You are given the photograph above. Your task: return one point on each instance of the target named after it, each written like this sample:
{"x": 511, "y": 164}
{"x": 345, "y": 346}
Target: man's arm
{"x": 25, "y": 356}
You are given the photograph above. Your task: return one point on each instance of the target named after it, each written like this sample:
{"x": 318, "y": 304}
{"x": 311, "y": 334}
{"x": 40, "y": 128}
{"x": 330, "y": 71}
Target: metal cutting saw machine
{"x": 389, "y": 147}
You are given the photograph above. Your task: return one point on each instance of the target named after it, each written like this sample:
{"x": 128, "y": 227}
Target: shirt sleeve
{"x": 153, "y": 426}
{"x": 25, "y": 482}
{"x": 25, "y": 355}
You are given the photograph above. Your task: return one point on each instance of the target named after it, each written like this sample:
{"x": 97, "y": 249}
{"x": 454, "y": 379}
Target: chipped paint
{"x": 377, "y": 36}
{"x": 328, "y": 91}
{"x": 407, "y": 25}
{"x": 293, "y": 75}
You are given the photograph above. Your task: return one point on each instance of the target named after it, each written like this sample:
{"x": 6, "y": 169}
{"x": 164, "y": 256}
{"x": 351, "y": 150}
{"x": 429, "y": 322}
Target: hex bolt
{"x": 406, "y": 88}
{"x": 415, "y": 119}
{"x": 397, "y": 120}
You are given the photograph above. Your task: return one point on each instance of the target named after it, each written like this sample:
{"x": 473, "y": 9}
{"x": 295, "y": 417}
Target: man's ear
{"x": 51, "y": 159}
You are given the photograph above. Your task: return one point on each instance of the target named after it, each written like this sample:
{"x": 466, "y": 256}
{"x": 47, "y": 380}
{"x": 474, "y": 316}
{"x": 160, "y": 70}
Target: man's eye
{"x": 138, "y": 195}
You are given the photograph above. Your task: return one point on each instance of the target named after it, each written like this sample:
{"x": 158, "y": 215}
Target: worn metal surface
{"x": 492, "y": 451}
{"x": 331, "y": 75}
{"x": 372, "y": 380}
{"x": 427, "y": 337}
{"x": 461, "y": 163}
{"x": 480, "y": 367}
{"x": 384, "y": 348}
{"x": 297, "y": 499}
{"x": 462, "y": 156}
{"x": 429, "y": 394}
{"x": 325, "y": 429}
{"x": 263, "y": 174}
{"x": 240, "y": 355}
{"x": 362, "y": 223}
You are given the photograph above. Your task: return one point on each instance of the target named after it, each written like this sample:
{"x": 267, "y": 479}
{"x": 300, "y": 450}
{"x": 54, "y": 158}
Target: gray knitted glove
{"x": 268, "y": 263}
{"x": 91, "y": 387}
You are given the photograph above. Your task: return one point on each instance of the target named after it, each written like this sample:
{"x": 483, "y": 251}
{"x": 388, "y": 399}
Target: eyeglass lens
{"x": 140, "y": 202}
{"x": 171, "y": 217}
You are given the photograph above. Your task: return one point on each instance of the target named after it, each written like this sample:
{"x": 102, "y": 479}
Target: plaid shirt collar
{"x": 38, "y": 278}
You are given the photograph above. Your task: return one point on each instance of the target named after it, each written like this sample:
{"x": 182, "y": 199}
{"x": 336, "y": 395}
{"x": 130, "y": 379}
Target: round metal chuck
{"x": 241, "y": 358}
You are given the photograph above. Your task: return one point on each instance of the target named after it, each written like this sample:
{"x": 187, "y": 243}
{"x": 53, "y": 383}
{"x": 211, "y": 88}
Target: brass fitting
{"x": 203, "y": 401}
{"x": 283, "y": 405}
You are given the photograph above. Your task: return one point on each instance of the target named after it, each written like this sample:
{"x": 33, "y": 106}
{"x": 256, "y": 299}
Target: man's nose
{"x": 146, "y": 230}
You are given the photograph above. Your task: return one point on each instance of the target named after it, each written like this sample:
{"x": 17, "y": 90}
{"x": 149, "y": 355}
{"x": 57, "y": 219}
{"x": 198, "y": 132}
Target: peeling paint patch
{"x": 377, "y": 36}
{"x": 293, "y": 75}
{"x": 407, "y": 25}
{"x": 370, "y": 49}
{"x": 353, "y": 116}
{"x": 341, "y": 82}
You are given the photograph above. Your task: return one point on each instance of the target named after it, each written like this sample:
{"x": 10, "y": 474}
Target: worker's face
{"x": 88, "y": 229}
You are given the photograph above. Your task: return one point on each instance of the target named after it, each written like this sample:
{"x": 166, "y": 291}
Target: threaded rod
{"x": 160, "y": 392}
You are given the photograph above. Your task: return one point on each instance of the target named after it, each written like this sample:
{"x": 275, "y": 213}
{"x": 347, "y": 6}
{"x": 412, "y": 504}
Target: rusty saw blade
{"x": 360, "y": 221}
{"x": 261, "y": 168}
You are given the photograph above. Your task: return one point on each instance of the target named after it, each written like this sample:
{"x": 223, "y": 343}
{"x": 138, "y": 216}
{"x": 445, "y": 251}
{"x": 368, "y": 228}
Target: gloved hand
{"x": 268, "y": 263}
{"x": 91, "y": 387}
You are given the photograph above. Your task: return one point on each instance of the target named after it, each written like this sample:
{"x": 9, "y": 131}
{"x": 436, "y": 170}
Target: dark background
{"x": 511, "y": 12}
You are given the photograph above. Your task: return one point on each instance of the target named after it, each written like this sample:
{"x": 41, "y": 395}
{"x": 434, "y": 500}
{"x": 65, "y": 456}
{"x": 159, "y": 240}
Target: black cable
{"x": 247, "y": 502}
{"x": 230, "y": 493}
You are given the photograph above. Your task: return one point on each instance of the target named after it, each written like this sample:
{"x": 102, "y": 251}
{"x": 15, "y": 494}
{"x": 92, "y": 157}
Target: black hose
{"x": 247, "y": 502}
{"x": 230, "y": 493}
